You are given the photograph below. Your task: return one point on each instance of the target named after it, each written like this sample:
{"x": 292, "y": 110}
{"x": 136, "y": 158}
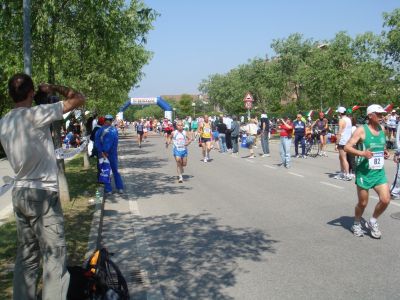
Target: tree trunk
{"x": 63, "y": 188}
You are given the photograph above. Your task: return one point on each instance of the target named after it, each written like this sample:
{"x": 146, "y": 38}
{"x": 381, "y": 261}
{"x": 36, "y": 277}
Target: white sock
{"x": 372, "y": 221}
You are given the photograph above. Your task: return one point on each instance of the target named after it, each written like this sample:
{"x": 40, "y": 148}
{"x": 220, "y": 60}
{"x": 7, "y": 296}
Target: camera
{"x": 44, "y": 98}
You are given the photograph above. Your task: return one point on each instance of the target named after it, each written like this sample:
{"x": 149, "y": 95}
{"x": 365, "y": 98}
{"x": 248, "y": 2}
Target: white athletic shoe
{"x": 395, "y": 197}
{"x": 205, "y": 159}
{"x": 340, "y": 176}
{"x": 180, "y": 180}
{"x": 374, "y": 229}
{"x": 357, "y": 230}
{"x": 347, "y": 177}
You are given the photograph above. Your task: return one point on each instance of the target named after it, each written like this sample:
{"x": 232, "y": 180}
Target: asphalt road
{"x": 240, "y": 228}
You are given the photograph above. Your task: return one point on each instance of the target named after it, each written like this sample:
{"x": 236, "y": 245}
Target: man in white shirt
{"x": 26, "y": 138}
{"x": 343, "y": 137}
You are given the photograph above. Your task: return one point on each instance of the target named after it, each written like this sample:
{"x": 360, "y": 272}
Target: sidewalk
{"x": 122, "y": 231}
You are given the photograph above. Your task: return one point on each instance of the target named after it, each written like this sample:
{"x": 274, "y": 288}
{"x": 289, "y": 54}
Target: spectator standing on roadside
{"x": 235, "y": 130}
{"x": 342, "y": 138}
{"x": 286, "y": 131}
{"x": 251, "y": 130}
{"x": 299, "y": 133}
{"x": 26, "y": 138}
{"x": 228, "y": 121}
{"x": 391, "y": 125}
{"x": 107, "y": 146}
{"x": 265, "y": 126}
{"x": 395, "y": 187}
{"x": 221, "y": 127}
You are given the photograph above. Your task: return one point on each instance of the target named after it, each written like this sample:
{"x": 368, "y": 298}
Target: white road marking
{"x": 295, "y": 174}
{"x": 332, "y": 185}
{"x": 391, "y": 202}
{"x": 271, "y": 167}
{"x": 395, "y": 203}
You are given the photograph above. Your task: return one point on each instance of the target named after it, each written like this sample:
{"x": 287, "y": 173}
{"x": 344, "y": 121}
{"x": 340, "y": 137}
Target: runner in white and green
{"x": 370, "y": 173}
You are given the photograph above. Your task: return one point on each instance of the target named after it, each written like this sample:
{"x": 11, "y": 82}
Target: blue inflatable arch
{"x": 148, "y": 101}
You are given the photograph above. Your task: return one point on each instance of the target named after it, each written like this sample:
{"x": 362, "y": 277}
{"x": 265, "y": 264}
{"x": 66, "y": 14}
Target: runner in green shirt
{"x": 370, "y": 173}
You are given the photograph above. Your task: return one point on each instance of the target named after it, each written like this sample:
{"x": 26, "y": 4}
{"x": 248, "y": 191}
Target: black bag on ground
{"x": 108, "y": 282}
{"x": 79, "y": 283}
{"x": 99, "y": 279}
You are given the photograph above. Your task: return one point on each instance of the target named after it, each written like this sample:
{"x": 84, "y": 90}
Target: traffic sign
{"x": 248, "y": 104}
{"x": 248, "y": 98}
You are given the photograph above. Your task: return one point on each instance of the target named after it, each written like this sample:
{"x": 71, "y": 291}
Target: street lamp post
{"x": 194, "y": 109}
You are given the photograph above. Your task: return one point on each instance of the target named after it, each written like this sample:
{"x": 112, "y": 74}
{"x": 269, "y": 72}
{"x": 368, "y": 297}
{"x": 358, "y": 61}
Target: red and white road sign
{"x": 248, "y": 104}
{"x": 248, "y": 98}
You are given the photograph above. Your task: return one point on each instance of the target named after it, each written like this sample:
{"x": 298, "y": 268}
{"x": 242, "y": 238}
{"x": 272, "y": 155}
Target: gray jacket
{"x": 235, "y": 127}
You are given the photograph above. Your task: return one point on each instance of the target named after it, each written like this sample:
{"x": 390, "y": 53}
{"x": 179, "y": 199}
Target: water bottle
{"x": 98, "y": 196}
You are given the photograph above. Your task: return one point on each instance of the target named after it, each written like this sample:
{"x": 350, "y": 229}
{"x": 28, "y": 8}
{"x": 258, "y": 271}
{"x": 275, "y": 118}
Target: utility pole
{"x": 27, "y": 37}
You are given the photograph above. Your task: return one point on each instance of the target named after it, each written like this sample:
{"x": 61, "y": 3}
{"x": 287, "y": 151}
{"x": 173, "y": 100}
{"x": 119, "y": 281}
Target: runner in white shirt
{"x": 180, "y": 141}
{"x": 343, "y": 137}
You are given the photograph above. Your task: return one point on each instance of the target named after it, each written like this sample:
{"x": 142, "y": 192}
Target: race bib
{"x": 207, "y": 130}
{"x": 377, "y": 161}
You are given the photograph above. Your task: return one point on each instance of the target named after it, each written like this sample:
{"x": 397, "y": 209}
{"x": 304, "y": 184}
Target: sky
{"x": 193, "y": 39}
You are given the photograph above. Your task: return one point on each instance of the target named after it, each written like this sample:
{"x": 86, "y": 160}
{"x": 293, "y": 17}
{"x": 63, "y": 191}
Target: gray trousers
{"x": 40, "y": 228}
{"x": 235, "y": 145}
{"x": 265, "y": 142}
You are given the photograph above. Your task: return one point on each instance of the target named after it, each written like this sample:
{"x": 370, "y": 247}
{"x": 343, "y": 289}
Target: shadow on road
{"x": 346, "y": 222}
{"x": 193, "y": 256}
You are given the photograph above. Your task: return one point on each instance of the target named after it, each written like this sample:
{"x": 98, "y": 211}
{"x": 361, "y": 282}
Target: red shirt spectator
{"x": 286, "y": 128}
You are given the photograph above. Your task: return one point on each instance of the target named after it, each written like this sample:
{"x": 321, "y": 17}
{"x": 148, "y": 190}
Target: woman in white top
{"x": 251, "y": 130}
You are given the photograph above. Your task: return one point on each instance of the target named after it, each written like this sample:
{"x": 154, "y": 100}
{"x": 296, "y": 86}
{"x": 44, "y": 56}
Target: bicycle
{"x": 312, "y": 144}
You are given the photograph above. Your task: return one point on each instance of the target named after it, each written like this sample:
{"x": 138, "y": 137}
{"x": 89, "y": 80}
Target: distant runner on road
{"x": 180, "y": 152}
{"x": 205, "y": 137}
{"x": 370, "y": 173}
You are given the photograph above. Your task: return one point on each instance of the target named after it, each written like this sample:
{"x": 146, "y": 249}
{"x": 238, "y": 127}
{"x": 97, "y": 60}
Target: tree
{"x": 184, "y": 106}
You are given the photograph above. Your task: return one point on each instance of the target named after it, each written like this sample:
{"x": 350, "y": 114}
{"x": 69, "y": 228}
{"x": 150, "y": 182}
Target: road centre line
{"x": 295, "y": 174}
{"x": 271, "y": 167}
{"x": 332, "y": 185}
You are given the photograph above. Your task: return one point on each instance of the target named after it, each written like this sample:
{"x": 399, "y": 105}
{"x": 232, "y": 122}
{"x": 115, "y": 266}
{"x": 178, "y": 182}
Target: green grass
{"x": 78, "y": 217}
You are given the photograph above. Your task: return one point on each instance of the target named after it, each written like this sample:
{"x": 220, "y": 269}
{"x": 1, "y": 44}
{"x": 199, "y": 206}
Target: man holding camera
{"x": 286, "y": 132}
{"x": 26, "y": 138}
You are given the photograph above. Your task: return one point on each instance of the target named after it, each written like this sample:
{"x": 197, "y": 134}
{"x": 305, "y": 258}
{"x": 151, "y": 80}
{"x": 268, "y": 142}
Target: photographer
{"x": 26, "y": 138}
{"x": 286, "y": 132}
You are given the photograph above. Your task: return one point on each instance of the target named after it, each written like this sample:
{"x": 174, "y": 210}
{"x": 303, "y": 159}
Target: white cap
{"x": 341, "y": 109}
{"x": 393, "y": 111}
{"x": 375, "y": 108}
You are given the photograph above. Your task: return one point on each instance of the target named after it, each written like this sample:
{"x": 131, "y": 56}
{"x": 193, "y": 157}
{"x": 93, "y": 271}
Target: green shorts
{"x": 370, "y": 179}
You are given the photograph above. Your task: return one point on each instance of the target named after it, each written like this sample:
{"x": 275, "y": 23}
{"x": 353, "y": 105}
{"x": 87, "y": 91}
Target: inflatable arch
{"x": 147, "y": 101}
